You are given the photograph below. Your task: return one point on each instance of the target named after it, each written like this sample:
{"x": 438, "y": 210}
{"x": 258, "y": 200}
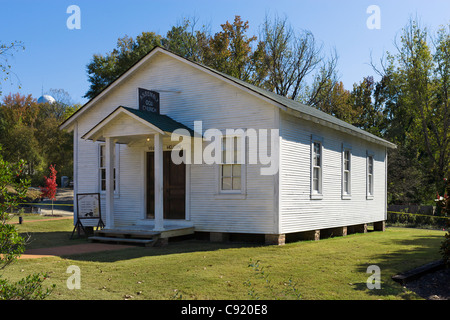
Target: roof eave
{"x": 335, "y": 126}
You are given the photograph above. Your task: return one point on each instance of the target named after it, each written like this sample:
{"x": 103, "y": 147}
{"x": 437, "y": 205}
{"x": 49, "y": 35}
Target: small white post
{"x": 109, "y": 157}
{"x": 159, "y": 182}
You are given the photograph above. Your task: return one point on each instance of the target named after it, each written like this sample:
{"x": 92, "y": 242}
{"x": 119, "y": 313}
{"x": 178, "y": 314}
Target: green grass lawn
{"x": 332, "y": 268}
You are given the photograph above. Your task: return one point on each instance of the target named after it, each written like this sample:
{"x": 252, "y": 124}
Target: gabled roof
{"x": 293, "y": 107}
{"x": 157, "y": 122}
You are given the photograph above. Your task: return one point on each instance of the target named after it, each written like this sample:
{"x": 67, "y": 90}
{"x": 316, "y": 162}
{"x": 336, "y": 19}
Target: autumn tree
{"x": 18, "y": 117}
{"x": 231, "y": 51}
{"x": 29, "y": 131}
{"x": 50, "y": 188}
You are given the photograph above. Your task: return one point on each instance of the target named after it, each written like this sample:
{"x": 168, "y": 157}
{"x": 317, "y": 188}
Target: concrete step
{"x": 145, "y": 242}
{"x": 127, "y": 233}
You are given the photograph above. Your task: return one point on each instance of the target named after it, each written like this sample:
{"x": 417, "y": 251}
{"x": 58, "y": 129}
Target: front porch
{"x": 164, "y": 184}
{"x": 142, "y": 234}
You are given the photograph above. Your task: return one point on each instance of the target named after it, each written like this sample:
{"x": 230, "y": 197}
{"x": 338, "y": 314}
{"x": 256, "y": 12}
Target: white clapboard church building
{"x": 172, "y": 147}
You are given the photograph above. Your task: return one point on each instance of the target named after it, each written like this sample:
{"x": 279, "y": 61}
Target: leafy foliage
{"x": 49, "y": 191}
{"x": 29, "y": 131}
{"x": 13, "y": 187}
{"x": 28, "y": 288}
{"x": 444, "y": 204}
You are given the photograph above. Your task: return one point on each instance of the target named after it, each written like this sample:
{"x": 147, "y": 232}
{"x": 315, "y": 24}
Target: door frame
{"x": 187, "y": 204}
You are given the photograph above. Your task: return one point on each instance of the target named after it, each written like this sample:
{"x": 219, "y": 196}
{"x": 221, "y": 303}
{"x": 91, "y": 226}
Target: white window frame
{"x": 316, "y": 194}
{"x": 239, "y": 156}
{"x": 370, "y": 175}
{"x": 116, "y": 168}
{"x": 346, "y": 194}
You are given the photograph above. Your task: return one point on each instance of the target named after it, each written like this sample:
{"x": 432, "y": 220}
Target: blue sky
{"x": 56, "y": 57}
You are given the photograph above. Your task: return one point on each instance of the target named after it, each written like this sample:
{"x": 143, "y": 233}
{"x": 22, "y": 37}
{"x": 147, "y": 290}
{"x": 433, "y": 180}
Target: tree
{"x": 18, "y": 118}
{"x": 337, "y": 102}
{"x": 104, "y": 69}
{"x": 367, "y": 106}
{"x": 49, "y": 191}
{"x": 13, "y": 188}
{"x": 6, "y": 52}
{"x": 230, "y": 51}
{"x": 415, "y": 84}
{"x": 290, "y": 58}
{"x": 443, "y": 203}
{"x": 281, "y": 61}
{"x": 187, "y": 41}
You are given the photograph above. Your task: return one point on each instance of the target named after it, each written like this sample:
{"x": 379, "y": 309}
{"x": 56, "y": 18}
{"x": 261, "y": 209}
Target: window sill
{"x": 230, "y": 196}
{"x": 317, "y": 196}
{"x": 369, "y": 197}
{"x": 346, "y": 197}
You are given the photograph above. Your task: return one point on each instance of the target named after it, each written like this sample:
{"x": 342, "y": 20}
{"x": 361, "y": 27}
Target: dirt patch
{"x": 71, "y": 250}
{"x": 432, "y": 286}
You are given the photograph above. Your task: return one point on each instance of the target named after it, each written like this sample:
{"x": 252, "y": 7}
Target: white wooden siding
{"x": 196, "y": 96}
{"x": 298, "y": 212}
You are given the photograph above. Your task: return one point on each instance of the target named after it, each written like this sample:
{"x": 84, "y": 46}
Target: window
{"x": 370, "y": 176}
{"x": 346, "y": 172}
{"x": 231, "y": 168}
{"x": 102, "y": 168}
{"x": 316, "y": 168}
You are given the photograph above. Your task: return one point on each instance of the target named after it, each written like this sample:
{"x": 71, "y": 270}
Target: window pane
{"x": 347, "y": 160}
{"x": 102, "y": 156}
{"x": 226, "y": 184}
{"x": 226, "y": 170}
{"x": 370, "y": 184}
{"x": 316, "y": 155}
{"x": 316, "y": 173}
{"x": 316, "y": 185}
{"x": 370, "y": 165}
{"x": 346, "y": 184}
{"x": 236, "y": 170}
{"x": 236, "y": 183}
{"x": 103, "y": 184}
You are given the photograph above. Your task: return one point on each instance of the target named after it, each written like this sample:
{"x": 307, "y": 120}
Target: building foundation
{"x": 275, "y": 239}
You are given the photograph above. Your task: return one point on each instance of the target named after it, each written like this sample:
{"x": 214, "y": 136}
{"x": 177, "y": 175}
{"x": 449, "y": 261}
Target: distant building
{"x": 46, "y": 99}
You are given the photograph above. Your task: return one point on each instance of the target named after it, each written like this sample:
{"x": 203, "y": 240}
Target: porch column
{"x": 109, "y": 157}
{"x": 159, "y": 183}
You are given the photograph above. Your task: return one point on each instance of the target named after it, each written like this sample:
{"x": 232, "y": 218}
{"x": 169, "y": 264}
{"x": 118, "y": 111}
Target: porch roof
{"x": 154, "y": 122}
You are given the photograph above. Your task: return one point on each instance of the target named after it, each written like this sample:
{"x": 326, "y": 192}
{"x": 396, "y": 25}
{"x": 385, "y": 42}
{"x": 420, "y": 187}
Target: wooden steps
{"x": 145, "y": 242}
{"x": 139, "y": 236}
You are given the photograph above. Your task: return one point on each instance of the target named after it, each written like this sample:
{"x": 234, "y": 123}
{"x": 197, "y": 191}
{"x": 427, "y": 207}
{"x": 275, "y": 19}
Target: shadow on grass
{"x": 418, "y": 250}
{"x": 186, "y": 245}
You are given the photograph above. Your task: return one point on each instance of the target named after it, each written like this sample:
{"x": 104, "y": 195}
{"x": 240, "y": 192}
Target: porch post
{"x": 159, "y": 195}
{"x": 109, "y": 157}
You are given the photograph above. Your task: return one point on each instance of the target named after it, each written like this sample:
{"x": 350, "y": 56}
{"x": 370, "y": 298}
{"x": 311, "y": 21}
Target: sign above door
{"x": 148, "y": 100}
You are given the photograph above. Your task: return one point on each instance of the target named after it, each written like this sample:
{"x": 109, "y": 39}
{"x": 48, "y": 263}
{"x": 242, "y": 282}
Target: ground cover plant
{"x": 334, "y": 268}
